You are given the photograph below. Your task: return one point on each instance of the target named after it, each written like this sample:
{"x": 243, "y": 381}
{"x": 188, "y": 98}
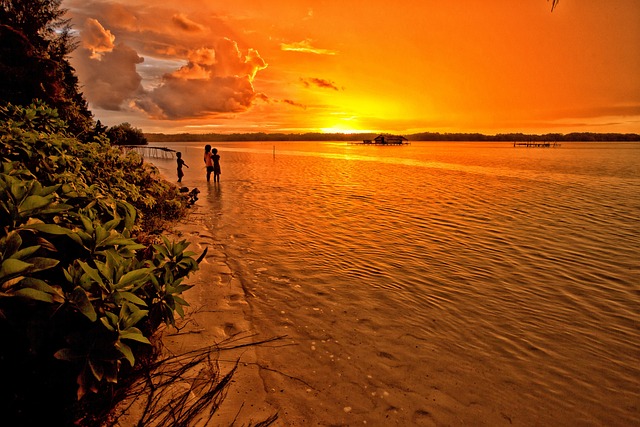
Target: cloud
{"x": 213, "y": 81}
{"x": 117, "y": 16}
{"x": 186, "y": 24}
{"x": 295, "y": 104}
{"x": 598, "y": 110}
{"x": 306, "y": 47}
{"x": 180, "y": 98}
{"x": 96, "y": 38}
{"x": 321, "y": 83}
{"x": 159, "y": 61}
{"x": 112, "y": 78}
{"x": 230, "y": 61}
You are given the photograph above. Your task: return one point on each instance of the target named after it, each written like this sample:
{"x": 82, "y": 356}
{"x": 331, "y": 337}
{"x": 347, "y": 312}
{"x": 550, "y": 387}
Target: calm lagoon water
{"x": 436, "y": 283}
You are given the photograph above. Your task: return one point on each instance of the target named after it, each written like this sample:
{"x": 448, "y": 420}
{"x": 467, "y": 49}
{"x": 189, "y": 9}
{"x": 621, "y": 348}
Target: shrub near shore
{"x": 83, "y": 281}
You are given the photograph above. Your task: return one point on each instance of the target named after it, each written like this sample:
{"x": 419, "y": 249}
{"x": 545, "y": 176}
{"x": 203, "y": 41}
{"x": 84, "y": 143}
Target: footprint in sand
{"x": 230, "y": 329}
{"x": 423, "y": 418}
{"x": 387, "y": 355}
{"x": 236, "y": 299}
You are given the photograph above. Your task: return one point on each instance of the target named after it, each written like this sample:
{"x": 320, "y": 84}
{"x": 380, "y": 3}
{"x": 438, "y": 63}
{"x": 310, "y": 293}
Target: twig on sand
{"x": 185, "y": 389}
{"x": 266, "y": 368}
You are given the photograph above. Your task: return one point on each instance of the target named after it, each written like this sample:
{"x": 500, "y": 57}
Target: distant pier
{"x": 152, "y": 152}
{"x": 536, "y": 144}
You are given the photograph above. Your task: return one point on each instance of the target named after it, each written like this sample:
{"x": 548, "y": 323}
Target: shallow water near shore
{"x": 436, "y": 283}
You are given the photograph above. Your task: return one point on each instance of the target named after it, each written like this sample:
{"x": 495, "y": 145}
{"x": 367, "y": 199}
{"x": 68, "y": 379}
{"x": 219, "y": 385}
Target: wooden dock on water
{"x": 536, "y": 144}
{"x": 152, "y": 152}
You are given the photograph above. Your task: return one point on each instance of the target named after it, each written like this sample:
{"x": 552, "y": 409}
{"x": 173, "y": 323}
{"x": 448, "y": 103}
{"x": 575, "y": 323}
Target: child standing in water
{"x": 180, "y": 164}
{"x": 212, "y": 161}
{"x": 216, "y": 165}
{"x": 208, "y": 161}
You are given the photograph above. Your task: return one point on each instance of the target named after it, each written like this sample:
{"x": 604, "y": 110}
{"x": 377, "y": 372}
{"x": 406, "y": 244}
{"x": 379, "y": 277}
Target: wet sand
{"x": 303, "y": 376}
{"x": 216, "y": 318}
{"x": 300, "y": 377}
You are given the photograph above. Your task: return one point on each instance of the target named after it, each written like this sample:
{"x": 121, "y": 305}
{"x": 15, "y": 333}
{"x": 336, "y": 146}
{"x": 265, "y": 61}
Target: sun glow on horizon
{"x": 341, "y": 129}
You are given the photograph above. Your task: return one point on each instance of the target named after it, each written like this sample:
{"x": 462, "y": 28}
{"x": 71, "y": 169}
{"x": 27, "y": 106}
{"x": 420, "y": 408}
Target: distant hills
{"x": 424, "y": 136}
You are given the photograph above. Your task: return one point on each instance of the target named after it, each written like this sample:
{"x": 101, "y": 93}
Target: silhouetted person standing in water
{"x": 212, "y": 161}
{"x": 180, "y": 164}
{"x": 208, "y": 161}
{"x": 216, "y": 165}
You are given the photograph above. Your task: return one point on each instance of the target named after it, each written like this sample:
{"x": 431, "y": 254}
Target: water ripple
{"x": 520, "y": 263}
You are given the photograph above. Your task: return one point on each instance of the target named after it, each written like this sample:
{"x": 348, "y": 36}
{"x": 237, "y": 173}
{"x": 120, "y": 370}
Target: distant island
{"x": 424, "y": 136}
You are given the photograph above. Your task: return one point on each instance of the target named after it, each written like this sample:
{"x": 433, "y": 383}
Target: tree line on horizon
{"x": 423, "y": 136}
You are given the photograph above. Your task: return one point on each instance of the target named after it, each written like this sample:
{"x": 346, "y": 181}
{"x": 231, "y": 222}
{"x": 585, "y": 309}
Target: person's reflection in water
{"x": 214, "y": 197}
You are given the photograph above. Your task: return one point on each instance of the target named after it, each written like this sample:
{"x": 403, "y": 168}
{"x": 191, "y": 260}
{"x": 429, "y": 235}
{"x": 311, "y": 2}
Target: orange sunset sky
{"x": 490, "y": 66}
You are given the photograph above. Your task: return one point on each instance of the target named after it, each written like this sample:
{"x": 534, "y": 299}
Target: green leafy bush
{"x": 125, "y": 134}
{"x": 79, "y": 281}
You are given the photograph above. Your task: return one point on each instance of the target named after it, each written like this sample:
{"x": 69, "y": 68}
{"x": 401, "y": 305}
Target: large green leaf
{"x": 112, "y": 224}
{"x": 101, "y": 235}
{"x": 178, "y": 307}
{"x": 126, "y": 352}
{"x": 134, "y": 317}
{"x": 34, "y": 294}
{"x": 119, "y": 240}
{"x": 49, "y": 229}
{"x": 86, "y": 223}
{"x": 130, "y": 216}
{"x": 41, "y": 285}
{"x": 181, "y": 288}
{"x": 11, "y": 244}
{"x": 80, "y": 299}
{"x": 45, "y": 191}
{"x": 42, "y": 263}
{"x": 55, "y": 208}
{"x": 140, "y": 275}
{"x": 18, "y": 189}
{"x": 131, "y": 297}
{"x": 12, "y": 267}
{"x": 25, "y": 252}
{"x": 107, "y": 324}
{"x": 107, "y": 270}
{"x": 161, "y": 251}
{"x": 34, "y": 202}
{"x": 91, "y": 272}
{"x": 76, "y": 238}
{"x": 134, "y": 334}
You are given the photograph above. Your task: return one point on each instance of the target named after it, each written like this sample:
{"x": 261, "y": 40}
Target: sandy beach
{"x": 216, "y": 325}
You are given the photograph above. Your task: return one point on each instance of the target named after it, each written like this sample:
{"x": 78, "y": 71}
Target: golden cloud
{"x": 305, "y": 46}
{"x": 113, "y": 78}
{"x": 96, "y": 38}
{"x": 184, "y": 23}
{"x": 214, "y": 81}
{"x": 321, "y": 83}
{"x": 295, "y": 104}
